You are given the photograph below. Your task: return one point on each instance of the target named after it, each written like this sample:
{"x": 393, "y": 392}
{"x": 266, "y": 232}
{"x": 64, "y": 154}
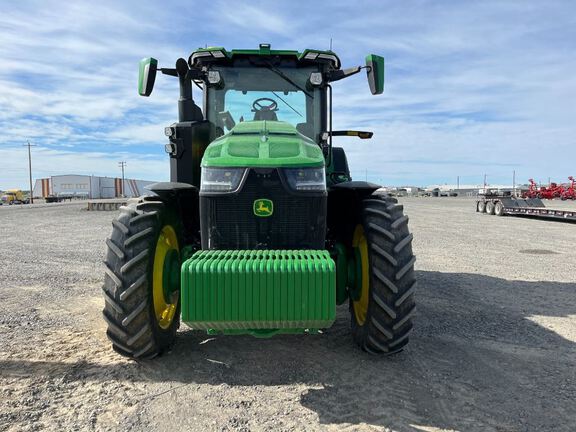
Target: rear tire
{"x": 481, "y": 206}
{"x": 384, "y": 326}
{"x": 499, "y": 209}
{"x": 490, "y": 208}
{"x": 129, "y": 310}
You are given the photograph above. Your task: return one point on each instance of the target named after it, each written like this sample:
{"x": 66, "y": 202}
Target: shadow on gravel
{"x": 475, "y": 362}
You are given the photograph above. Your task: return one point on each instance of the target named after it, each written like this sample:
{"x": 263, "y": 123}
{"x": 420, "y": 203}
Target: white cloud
{"x": 256, "y": 20}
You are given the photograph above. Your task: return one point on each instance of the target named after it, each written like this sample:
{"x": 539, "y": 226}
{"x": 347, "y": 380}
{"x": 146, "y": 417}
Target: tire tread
{"x": 128, "y": 310}
{"x": 391, "y": 306}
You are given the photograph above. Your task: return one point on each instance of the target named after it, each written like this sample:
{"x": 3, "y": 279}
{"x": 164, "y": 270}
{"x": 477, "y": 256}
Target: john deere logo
{"x": 263, "y": 207}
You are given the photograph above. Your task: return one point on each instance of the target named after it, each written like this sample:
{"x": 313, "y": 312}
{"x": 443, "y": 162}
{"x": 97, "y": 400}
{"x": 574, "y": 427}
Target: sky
{"x": 472, "y": 88}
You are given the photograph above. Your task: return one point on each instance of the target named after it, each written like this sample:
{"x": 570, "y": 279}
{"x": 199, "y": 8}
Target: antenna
{"x": 330, "y": 44}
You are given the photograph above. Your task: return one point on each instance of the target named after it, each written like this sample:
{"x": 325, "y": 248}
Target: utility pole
{"x": 484, "y": 182}
{"x": 122, "y": 164}
{"x": 514, "y": 182}
{"x": 458, "y": 183}
{"x": 30, "y": 170}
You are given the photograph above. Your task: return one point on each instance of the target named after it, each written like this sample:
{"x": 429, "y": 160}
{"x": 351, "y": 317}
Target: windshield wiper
{"x": 287, "y": 79}
{"x": 290, "y": 106}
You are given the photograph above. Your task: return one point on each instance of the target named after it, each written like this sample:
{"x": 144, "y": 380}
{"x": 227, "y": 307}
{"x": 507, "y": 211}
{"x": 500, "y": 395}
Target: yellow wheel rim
{"x": 360, "y": 306}
{"x": 165, "y": 298}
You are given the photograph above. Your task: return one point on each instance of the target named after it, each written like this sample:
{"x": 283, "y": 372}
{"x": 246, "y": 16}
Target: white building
{"x": 401, "y": 190}
{"x": 474, "y": 189}
{"x": 83, "y": 186}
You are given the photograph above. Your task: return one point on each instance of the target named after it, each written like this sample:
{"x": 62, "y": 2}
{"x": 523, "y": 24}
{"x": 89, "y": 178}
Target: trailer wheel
{"x": 382, "y": 296}
{"x": 490, "y": 208}
{"x": 142, "y": 279}
{"x": 481, "y": 206}
{"x": 499, "y": 209}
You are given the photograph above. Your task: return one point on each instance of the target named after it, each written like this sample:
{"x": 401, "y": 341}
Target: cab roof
{"x": 220, "y": 54}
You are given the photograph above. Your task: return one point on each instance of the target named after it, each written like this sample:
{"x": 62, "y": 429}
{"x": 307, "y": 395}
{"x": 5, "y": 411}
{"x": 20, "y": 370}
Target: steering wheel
{"x": 258, "y": 106}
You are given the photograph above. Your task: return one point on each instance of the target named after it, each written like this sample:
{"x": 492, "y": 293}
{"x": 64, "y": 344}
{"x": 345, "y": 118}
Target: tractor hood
{"x": 263, "y": 144}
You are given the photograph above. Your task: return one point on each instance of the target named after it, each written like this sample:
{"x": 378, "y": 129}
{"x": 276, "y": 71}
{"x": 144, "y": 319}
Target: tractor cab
{"x": 262, "y": 84}
{"x": 265, "y": 85}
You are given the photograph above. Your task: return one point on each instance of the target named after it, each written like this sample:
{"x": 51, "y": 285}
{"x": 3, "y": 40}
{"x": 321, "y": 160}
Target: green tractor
{"x": 261, "y": 229}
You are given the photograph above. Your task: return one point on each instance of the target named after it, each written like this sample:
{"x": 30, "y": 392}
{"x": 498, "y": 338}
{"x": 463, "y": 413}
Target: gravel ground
{"x": 494, "y": 346}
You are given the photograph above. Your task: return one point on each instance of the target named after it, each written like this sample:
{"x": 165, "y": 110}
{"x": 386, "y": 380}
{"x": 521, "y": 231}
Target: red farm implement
{"x": 554, "y": 190}
{"x": 532, "y": 191}
{"x": 569, "y": 192}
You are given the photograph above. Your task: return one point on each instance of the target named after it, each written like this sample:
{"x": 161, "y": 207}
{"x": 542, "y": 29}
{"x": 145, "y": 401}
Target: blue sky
{"x": 472, "y": 88}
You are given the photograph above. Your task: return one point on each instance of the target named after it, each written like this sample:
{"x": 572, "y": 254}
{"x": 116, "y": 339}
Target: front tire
{"x": 141, "y": 285}
{"x": 382, "y": 301}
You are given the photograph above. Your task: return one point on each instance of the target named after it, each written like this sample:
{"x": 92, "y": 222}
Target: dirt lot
{"x": 494, "y": 347}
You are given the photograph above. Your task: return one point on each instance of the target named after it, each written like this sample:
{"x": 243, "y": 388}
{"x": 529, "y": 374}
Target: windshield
{"x": 265, "y": 93}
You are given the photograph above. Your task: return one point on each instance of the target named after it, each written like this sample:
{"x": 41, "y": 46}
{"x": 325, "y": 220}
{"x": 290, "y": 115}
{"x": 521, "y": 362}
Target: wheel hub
{"x": 171, "y": 276}
{"x": 166, "y": 277}
{"x": 360, "y": 293}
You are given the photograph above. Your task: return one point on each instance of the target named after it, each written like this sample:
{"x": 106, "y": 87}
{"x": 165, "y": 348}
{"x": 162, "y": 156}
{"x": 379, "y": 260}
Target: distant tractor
{"x": 261, "y": 229}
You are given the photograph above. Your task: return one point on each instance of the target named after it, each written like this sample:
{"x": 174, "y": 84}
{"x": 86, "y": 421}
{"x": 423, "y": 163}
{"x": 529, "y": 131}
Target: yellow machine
{"x": 14, "y": 196}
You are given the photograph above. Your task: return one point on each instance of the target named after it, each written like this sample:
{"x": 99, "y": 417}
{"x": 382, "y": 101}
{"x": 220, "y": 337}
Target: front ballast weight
{"x": 259, "y": 291}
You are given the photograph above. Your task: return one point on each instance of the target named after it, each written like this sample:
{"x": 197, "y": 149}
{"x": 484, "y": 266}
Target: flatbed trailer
{"x": 507, "y": 205}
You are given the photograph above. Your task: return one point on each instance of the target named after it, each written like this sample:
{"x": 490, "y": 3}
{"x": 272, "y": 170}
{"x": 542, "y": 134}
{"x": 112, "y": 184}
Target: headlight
{"x": 221, "y": 179}
{"x": 306, "y": 179}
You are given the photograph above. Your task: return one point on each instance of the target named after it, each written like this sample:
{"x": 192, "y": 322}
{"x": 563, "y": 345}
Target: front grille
{"x": 298, "y": 220}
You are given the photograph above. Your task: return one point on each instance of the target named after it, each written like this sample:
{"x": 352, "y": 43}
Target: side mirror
{"x": 147, "y": 75}
{"x": 375, "y": 71}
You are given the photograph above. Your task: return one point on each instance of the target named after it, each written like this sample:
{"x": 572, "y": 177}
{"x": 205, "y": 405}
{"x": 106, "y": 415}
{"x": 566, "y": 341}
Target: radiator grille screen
{"x": 228, "y": 221}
